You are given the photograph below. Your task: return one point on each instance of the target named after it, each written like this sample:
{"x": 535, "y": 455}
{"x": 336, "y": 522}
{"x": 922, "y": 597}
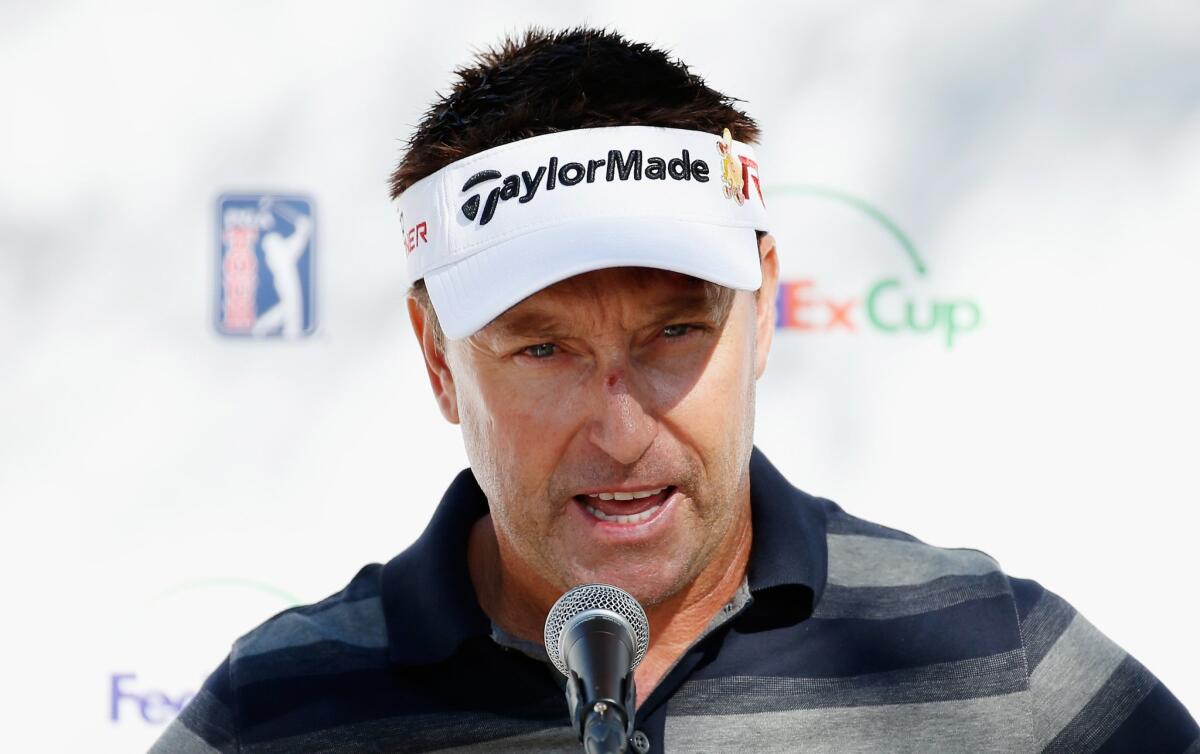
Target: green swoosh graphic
{"x": 862, "y": 205}
{"x": 235, "y": 583}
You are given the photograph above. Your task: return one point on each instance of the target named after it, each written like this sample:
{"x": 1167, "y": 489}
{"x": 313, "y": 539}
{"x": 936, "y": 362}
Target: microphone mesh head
{"x": 595, "y": 597}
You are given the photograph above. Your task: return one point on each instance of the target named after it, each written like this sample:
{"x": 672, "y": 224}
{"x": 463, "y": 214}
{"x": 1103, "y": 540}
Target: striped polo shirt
{"x": 847, "y": 636}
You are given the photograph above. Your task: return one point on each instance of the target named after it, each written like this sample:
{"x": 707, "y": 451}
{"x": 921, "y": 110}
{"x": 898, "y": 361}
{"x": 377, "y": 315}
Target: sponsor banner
{"x": 265, "y": 266}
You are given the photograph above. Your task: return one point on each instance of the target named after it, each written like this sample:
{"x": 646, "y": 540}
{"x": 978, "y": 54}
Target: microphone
{"x": 596, "y": 634}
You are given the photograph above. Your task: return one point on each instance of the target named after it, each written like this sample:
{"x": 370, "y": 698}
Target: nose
{"x": 621, "y": 426}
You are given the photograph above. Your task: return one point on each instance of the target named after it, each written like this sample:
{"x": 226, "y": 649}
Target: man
{"x": 594, "y": 292}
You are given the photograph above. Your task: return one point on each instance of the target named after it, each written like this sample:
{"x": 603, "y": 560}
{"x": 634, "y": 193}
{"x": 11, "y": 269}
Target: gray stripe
{"x": 1043, "y": 625}
{"x": 883, "y": 603}
{"x": 991, "y": 724}
{"x": 1125, "y": 689}
{"x": 869, "y": 561}
{"x": 966, "y": 679}
{"x": 842, "y": 523}
{"x": 1074, "y": 669}
{"x": 1194, "y": 748}
{"x": 177, "y": 739}
{"x": 358, "y": 623}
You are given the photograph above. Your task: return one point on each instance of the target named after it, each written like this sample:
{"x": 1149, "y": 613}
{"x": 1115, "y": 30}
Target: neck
{"x": 517, "y": 599}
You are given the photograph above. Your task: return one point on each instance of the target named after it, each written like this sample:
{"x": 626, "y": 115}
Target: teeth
{"x": 636, "y": 518}
{"x": 626, "y": 495}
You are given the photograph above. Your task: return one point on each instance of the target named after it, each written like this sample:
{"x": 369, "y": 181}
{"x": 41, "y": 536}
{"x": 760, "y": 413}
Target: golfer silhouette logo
{"x": 282, "y": 254}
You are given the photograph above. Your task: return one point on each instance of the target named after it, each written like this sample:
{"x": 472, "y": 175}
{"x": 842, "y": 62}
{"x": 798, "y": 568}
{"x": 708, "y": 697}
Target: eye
{"x": 677, "y": 331}
{"x": 539, "y": 351}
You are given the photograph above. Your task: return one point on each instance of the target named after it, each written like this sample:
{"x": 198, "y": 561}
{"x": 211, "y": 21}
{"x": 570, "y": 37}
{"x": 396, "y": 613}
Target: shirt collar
{"x": 789, "y": 556}
{"x": 430, "y": 605}
{"x": 429, "y": 601}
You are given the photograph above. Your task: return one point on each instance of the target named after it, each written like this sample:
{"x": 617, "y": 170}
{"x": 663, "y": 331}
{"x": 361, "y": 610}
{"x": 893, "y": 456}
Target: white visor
{"x": 498, "y": 226}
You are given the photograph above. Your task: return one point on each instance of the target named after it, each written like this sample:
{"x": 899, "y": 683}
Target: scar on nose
{"x": 612, "y": 379}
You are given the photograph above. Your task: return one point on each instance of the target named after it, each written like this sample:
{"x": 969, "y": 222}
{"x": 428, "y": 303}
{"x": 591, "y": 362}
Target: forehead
{"x": 627, "y": 293}
{"x": 618, "y": 280}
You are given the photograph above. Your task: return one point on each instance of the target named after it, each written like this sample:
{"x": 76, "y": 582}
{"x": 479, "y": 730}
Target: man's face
{"x": 609, "y": 419}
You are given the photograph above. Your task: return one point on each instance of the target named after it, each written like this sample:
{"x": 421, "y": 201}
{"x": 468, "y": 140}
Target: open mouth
{"x": 632, "y": 507}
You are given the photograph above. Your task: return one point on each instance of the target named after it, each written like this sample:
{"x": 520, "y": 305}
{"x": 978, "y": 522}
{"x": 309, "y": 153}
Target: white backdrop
{"x": 164, "y": 489}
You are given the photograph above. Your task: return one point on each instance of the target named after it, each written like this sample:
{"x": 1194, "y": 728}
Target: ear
{"x": 764, "y": 302}
{"x": 440, "y": 378}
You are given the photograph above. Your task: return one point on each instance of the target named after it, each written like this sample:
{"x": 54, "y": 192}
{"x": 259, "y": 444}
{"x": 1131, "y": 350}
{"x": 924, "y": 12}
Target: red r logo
{"x": 750, "y": 173}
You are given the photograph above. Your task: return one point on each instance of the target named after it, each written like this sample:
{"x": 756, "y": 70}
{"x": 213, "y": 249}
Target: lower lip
{"x": 625, "y": 531}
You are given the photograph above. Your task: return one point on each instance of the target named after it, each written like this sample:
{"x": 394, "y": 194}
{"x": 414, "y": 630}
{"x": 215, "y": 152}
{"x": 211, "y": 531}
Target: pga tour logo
{"x": 265, "y": 266}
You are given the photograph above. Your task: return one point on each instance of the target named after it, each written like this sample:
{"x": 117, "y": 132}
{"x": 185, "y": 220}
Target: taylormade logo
{"x": 618, "y": 166}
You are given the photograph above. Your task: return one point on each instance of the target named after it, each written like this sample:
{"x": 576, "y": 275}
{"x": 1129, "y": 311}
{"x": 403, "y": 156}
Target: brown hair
{"x": 548, "y": 81}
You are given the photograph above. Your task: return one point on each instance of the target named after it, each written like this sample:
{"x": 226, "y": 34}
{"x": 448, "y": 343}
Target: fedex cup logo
{"x": 893, "y": 297}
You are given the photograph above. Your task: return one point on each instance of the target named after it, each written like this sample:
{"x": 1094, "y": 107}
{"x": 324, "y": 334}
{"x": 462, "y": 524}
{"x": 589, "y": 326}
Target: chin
{"x": 649, "y": 586}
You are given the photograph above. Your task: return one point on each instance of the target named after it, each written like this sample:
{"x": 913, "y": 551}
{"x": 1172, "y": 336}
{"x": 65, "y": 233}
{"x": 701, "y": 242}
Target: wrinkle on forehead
{"x": 631, "y": 297}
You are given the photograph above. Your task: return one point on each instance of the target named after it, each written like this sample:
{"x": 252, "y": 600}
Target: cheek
{"x": 512, "y": 436}
{"x": 720, "y": 399}
{"x": 481, "y": 439}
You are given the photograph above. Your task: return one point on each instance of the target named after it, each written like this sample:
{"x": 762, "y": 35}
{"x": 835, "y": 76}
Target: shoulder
{"x": 347, "y": 626}
{"x": 877, "y": 572}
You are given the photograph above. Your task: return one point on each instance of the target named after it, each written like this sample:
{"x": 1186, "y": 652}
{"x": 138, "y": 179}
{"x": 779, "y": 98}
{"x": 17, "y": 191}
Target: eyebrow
{"x": 537, "y": 322}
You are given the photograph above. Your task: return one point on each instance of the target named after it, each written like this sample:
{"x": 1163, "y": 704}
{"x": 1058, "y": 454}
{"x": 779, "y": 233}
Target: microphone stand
{"x": 604, "y": 725}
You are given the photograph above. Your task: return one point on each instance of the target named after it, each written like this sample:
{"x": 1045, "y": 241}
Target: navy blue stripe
{"x": 503, "y": 683}
{"x": 409, "y": 733}
{"x": 1159, "y": 724}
